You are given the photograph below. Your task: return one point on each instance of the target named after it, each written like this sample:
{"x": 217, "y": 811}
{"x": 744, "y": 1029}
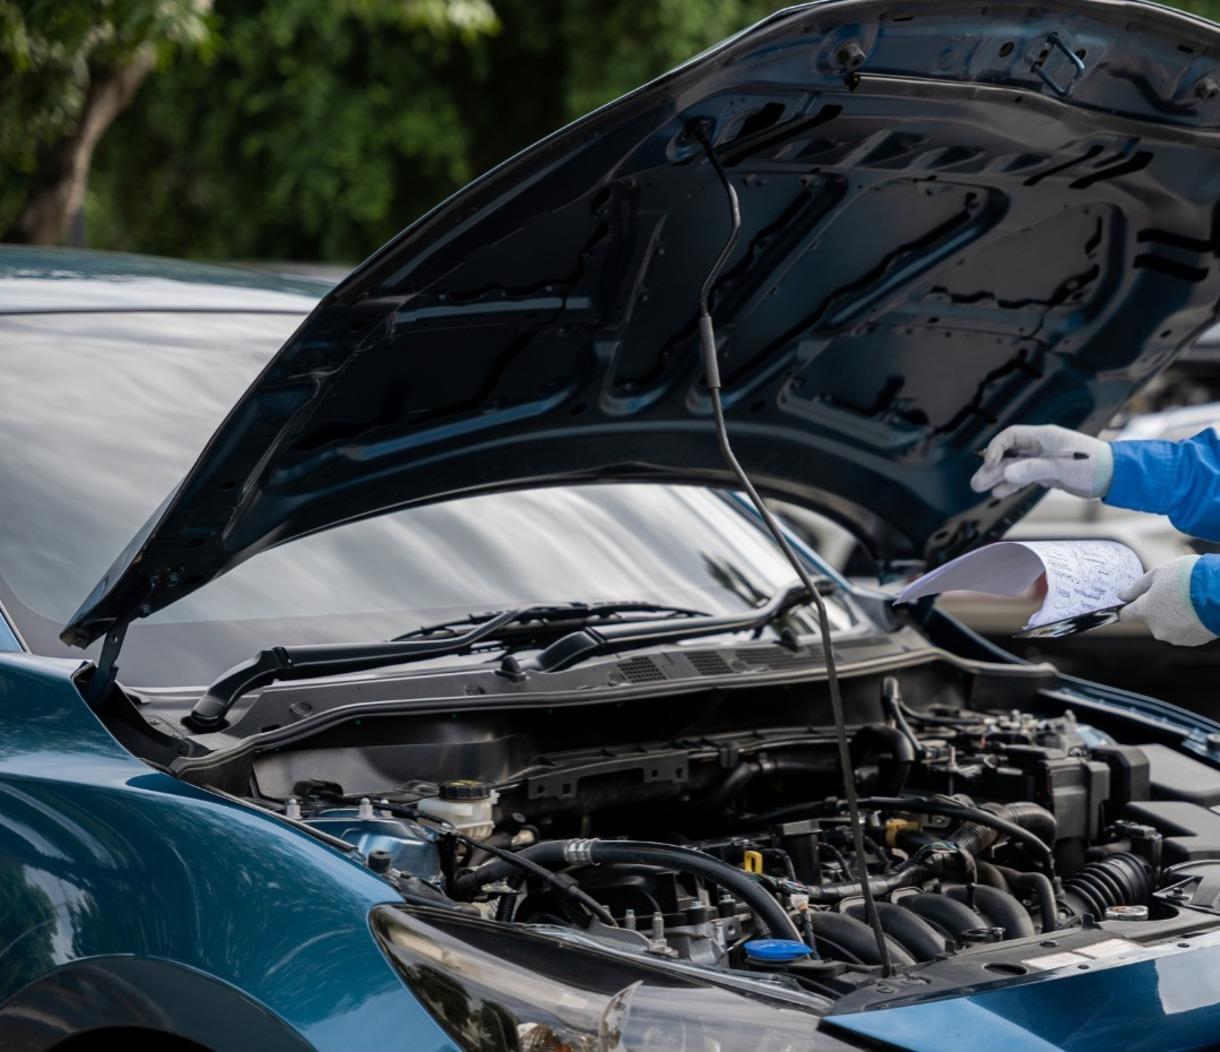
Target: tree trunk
{"x": 57, "y": 189}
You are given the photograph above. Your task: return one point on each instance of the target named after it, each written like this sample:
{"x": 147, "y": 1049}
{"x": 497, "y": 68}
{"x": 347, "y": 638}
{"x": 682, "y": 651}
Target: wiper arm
{"x": 550, "y": 619}
{"x": 331, "y": 659}
{"x": 588, "y": 641}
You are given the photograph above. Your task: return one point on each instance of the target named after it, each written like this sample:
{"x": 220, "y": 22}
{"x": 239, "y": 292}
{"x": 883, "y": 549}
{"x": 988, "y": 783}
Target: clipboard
{"x": 1071, "y": 626}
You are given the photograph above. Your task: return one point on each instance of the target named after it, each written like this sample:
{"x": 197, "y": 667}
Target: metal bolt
{"x": 850, "y": 55}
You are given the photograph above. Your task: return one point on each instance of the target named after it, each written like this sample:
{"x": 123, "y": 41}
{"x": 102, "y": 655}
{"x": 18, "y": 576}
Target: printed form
{"x": 1081, "y": 576}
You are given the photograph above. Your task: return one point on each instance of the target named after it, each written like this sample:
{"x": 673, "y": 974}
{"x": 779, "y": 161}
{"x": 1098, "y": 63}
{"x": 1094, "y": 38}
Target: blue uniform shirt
{"x": 1181, "y": 480}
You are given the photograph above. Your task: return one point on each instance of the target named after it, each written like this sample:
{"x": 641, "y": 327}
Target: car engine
{"x": 997, "y": 841}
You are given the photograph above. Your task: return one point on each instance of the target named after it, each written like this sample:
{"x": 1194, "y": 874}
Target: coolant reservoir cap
{"x": 1127, "y": 913}
{"x": 776, "y": 949}
{"x": 465, "y": 789}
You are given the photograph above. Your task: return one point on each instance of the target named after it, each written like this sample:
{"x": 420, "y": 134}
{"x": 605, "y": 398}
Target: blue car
{"x": 407, "y": 665}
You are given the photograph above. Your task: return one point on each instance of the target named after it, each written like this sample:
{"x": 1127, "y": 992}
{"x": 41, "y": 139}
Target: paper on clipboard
{"x": 1082, "y": 577}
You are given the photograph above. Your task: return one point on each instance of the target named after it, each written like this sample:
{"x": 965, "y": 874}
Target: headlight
{"x": 498, "y": 989}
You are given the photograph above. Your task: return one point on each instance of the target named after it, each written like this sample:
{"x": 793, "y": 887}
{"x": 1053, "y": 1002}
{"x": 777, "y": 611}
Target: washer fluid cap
{"x": 776, "y": 950}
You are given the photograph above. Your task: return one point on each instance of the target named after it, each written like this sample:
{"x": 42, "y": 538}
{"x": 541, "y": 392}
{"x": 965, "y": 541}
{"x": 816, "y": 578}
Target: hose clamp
{"x": 579, "y": 852}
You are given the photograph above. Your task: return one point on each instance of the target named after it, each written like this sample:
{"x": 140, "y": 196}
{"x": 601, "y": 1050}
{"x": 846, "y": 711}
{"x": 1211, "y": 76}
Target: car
{"x": 412, "y": 664}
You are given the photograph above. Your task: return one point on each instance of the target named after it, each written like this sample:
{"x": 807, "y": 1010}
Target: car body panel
{"x": 122, "y": 993}
{"x": 1171, "y": 1002}
{"x": 957, "y": 230}
{"x": 103, "y": 856}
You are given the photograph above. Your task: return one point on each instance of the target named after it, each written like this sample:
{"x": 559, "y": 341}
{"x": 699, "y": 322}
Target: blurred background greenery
{"x": 301, "y": 129}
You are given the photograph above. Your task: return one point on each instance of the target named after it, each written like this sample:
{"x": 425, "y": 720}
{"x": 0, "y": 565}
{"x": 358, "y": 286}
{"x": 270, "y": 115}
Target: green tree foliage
{"x": 319, "y": 128}
{"x": 310, "y": 124}
{"x": 67, "y": 69}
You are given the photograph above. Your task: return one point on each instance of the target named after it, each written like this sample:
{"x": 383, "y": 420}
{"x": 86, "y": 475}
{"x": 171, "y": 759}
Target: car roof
{"x": 55, "y": 280}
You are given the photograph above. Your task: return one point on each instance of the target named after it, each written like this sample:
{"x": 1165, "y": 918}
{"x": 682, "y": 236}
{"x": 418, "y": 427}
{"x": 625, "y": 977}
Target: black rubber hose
{"x": 905, "y": 876}
{"x": 841, "y": 937}
{"x": 507, "y": 905}
{"x": 1000, "y": 908}
{"x": 730, "y": 787}
{"x": 911, "y": 840}
{"x": 513, "y": 863}
{"x": 890, "y": 742}
{"x": 991, "y": 875}
{"x": 558, "y": 854}
{"x": 1120, "y": 879}
{"x": 1038, "y": 820}
{"x": 736, "y": 781}
{"x": 1040, "y": 884}
{"x": 982, "y": 826}
{"x": 916, "y": 935}
{"x": 938, "y": 721}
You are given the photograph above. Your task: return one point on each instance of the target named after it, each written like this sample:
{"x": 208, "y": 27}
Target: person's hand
{"x": 1047, "y": 455}
{"x": 1161, "y": 599}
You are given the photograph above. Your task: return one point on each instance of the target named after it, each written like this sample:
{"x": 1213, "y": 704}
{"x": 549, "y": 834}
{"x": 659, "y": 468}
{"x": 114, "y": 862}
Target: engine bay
{"x": 709, "y": 831}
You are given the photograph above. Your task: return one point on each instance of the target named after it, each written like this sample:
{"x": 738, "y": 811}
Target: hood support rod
{"x": 707, "y": 340}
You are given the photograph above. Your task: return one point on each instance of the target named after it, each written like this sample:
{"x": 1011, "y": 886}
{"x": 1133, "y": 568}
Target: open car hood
{"x": 955, "y": 218}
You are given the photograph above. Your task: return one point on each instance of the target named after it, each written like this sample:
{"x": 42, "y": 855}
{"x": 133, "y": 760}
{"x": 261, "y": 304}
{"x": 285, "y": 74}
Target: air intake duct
{"x": 1122, "y": 879}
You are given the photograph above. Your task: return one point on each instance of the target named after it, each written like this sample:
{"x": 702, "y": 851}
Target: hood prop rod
{"x": 707, "y": 340}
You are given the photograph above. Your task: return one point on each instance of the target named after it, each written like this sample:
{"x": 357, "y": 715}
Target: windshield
{"x": 102, "y": 414}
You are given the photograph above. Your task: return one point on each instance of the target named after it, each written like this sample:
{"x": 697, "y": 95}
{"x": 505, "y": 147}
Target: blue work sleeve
{"x": 1205, "y": 591}
{"x": 1178, "y": 479}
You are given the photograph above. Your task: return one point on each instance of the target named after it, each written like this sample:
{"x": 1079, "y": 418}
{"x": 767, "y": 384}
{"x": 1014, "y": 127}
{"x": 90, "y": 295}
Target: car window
{"x": 109, "y": 411}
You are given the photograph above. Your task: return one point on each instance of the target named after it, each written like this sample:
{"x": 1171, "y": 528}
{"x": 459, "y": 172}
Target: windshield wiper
{"x": 589, "y": 640}
{"x": 539, "y": 620}
{"x": 332, "y": 659}
{"x": 335, "y": 659}
{"x": 610, "y": 631}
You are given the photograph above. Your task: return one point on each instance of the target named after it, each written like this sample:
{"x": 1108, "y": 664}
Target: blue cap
{"x": 776, "y": 950}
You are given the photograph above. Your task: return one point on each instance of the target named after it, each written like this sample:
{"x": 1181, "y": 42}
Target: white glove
{"x": 1049, "y": 456}
{"x": 1161, "y": 599}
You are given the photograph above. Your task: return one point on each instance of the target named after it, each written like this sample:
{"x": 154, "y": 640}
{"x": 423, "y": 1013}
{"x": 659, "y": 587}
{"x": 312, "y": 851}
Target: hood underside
{"x": 953, "y": 221}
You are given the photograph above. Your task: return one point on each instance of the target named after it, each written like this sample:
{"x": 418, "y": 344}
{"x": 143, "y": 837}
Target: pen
{"x": 1012, "y": 454}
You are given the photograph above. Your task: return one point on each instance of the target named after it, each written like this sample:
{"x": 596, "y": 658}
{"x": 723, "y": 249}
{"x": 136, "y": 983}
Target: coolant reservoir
{"x": 465, "y": 804}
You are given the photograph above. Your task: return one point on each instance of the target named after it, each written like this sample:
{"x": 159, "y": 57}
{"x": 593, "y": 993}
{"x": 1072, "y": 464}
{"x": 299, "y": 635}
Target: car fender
{"x": 163, "y": 998}
{"x": 103, "y": 856}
